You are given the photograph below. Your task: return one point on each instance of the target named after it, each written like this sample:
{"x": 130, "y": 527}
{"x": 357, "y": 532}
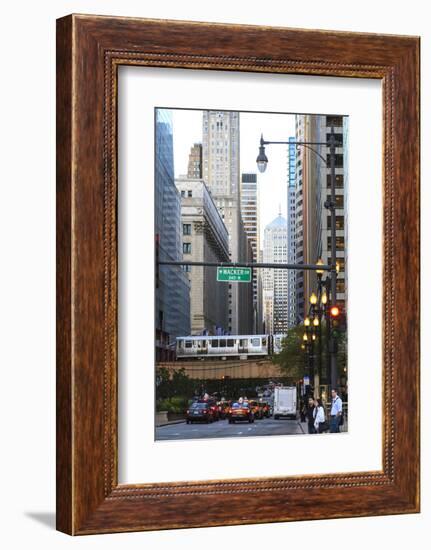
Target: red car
{"x": 240, "y": 411}
{"x": 213, "y": 406}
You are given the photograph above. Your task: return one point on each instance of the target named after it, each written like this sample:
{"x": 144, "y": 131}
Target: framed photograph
{"x": 237, "y": 274}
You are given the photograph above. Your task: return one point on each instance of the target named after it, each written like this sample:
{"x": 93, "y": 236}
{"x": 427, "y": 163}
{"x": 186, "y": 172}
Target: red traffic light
{"x": 334, "y": 311}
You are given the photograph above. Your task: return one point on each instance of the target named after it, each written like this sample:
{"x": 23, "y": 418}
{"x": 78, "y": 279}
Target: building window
{"x": 186, "y": 268}
{"x": 334, "y": 121}
{"x": 189, "y": 193}
{"x": 187, "y": 228}
{"x": 338, "y": 139}
{"x": 183, "y": 193}
{"x": 338, "y": 161}
{"x": 339, "y": 200}
{"x": 187, "y": 248}
{"x": 341, "y": 264}
{"x": 339, "y": 181}
{"x": 339, "y": 243}
{"x": 340, "y": 287}
{"x": 339, "y": 222}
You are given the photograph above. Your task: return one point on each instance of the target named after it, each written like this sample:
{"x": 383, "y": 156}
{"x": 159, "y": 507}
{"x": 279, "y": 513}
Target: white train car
{"x": 224, "y": 347}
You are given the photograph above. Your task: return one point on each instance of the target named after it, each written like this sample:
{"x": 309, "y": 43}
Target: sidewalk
{"x": 172, "y": 422}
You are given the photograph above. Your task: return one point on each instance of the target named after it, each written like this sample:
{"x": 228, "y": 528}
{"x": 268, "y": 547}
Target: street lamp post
{"x": 262, "y": 162}
{"x": 331, "y": 207}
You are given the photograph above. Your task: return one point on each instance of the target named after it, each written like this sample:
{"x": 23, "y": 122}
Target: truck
{"x": 284, "y": 402}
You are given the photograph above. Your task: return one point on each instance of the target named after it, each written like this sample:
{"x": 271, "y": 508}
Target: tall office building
{"x": 220, "y": 161}
{"x": 194, "y": 167}
{"x": 291, "y": 242}
{"x": 250, "y": 217}
{"x": 275, "y": 281}
{"x": 205, "y": 239}
{"x": 307, "y": 213}
{"x": 172, "y": 286}
{"x": 313, "y": 220}
{"x": 323, "y": 131}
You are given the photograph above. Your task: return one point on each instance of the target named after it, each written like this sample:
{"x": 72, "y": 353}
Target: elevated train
{"x": 228, "y": 347}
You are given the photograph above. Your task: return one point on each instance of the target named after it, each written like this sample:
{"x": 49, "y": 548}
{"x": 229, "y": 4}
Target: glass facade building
{"x": 172, "y": 315}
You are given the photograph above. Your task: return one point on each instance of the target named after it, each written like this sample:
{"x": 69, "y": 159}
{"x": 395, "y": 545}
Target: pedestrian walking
{"x": 320, "y": 424}
{"x": 302, "y": 410}
{"x": 310, "y": 416}
{"x": 336, "y": 412}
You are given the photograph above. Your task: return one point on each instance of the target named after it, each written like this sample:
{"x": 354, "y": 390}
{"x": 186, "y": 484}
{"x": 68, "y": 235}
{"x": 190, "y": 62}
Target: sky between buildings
{"x": 187, "y": 127}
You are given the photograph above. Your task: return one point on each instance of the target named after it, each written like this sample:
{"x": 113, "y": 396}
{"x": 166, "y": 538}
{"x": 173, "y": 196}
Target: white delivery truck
{"x": 284, "y": 401}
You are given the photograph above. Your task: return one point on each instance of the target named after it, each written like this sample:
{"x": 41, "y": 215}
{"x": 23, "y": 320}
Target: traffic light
{"x": 334, "y": 312}
{"x": 338, "y": 317}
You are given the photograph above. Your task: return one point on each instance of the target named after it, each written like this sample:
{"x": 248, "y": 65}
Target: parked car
{"x": 199, "y": 412}
{"x": 240, "y": 411}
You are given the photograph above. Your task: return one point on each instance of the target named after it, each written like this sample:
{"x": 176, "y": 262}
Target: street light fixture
{"x": 319, "y": 271}
{"x": 262, "y": 159}
{"x": 313, "y": 299}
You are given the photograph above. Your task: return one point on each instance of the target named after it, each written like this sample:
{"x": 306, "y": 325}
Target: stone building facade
{"x": 205, "y": 239}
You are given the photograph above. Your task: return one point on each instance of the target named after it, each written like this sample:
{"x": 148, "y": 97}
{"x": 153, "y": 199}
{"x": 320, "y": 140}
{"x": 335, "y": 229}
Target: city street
{"x": 222, "y": 428}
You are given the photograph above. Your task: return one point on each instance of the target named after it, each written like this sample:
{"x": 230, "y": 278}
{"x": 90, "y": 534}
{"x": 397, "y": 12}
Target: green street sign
{"x": 234, "y": 274}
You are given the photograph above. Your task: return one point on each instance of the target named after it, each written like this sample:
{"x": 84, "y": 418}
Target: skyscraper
{"x": 323, "y": 131}
{"x": 194, "y": 168}
{"x": 313, "y": 188}
{"x": 275, "y": 281}
{"x": 172, "y": 285}
{"x": 250, "y": 217}
{"x": 291, "y": 243}
{"x": 220, "y": 158}
{"x": 307, "y": 212}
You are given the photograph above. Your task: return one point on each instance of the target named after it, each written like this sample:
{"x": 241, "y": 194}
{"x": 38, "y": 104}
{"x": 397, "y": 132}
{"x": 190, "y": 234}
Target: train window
{"x": 214, "y": 343}
{"x": 255, "y": 342}
{"x": 263, "y": 341}
{"x": 222, "y": 343}
{"x": 189, "y": 344}
{"x": 243, "y": 342}
{"x": 180, "y": 344}
{"x": 230, "y": 343}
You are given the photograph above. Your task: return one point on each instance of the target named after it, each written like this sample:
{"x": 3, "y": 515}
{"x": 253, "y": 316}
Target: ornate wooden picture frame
{"x": 89, "y": 51}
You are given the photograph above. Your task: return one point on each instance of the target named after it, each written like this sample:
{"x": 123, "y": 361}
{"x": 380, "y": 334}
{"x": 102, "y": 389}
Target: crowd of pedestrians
{"x": 313, "y": 412}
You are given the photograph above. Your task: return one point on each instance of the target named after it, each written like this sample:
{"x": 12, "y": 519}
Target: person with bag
{"x": 320, "y": 423}
{"x": 336, "y": 412}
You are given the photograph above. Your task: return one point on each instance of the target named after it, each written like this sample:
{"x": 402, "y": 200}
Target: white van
{"x": 284, "y": 402}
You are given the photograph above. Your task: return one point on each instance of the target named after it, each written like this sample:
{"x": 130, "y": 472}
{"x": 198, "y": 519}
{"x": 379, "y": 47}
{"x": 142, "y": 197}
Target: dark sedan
{"x": 199, "y": 412}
